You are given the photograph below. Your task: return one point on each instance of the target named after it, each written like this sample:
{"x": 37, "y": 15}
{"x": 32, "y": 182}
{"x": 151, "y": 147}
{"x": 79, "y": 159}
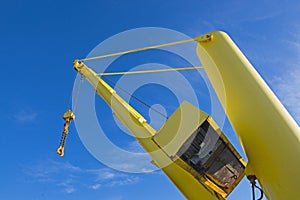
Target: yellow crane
{"x": 268, "y": 134}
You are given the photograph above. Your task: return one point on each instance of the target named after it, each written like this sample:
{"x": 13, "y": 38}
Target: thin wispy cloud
{"x": 287, "y": 85}
{"x": 104, "y": 174}
{"x": 69, "y": 190}
{"x": 126, "y": 181}
{"x": 67, "y": 185}
{"x": 96, "y": 186}
{"x": 69, "y": 178}
{"x": 294, "y": 41}
{"x": 25, "y": 116}
{"x": 287, "y": 89}
{"x": 135, "y": 146}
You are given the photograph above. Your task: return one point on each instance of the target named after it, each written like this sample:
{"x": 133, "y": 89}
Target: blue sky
{"x": 40, "y": 39}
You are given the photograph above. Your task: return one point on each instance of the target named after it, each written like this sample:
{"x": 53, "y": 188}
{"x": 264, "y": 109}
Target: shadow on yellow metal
{"x": 269, "y": 135}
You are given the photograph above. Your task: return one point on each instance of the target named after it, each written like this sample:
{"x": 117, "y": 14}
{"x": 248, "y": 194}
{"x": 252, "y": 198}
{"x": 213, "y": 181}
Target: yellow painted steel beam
{"x": 190, "y": 187}
{"x": 269, "y": 135}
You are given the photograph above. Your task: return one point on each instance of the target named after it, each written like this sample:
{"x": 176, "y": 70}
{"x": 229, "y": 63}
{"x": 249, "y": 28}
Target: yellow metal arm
{"x": 177, "y": 171}
{"x": 267, "y": 132}
{"x": 123, "y": 111}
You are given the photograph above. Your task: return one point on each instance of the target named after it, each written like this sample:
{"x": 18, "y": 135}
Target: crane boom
{"x": 207, "y": 178}
{"x": 269, "y": 135}
{"x": 143, "y": 132}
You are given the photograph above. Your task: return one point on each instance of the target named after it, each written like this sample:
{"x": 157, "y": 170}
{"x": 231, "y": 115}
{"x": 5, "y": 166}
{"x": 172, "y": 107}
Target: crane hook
{"x": 252, "y": 179}
{"x": 68, "y": 117}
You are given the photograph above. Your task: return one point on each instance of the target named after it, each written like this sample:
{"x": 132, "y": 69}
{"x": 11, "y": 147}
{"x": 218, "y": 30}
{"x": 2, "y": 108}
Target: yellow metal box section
{"x": 193, "y": 140}
{"x": 179, "y": 127}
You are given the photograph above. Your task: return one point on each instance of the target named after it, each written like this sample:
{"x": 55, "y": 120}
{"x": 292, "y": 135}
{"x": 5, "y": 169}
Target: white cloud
{"x": 103, "y": 174}
{"x": 126, "y": 181}
{"x": 66, "y": 185}
{"x": 108, "y": 175}
{"x": 69, "y": 190}
{"x": 69, "y": 177}
{"x": 96, "y": 186}
{"x": 287, "y": 89}
{"x": 287, "y": 86}
{"x": 135, "y": 146}
{"x": 25, "y": 115}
